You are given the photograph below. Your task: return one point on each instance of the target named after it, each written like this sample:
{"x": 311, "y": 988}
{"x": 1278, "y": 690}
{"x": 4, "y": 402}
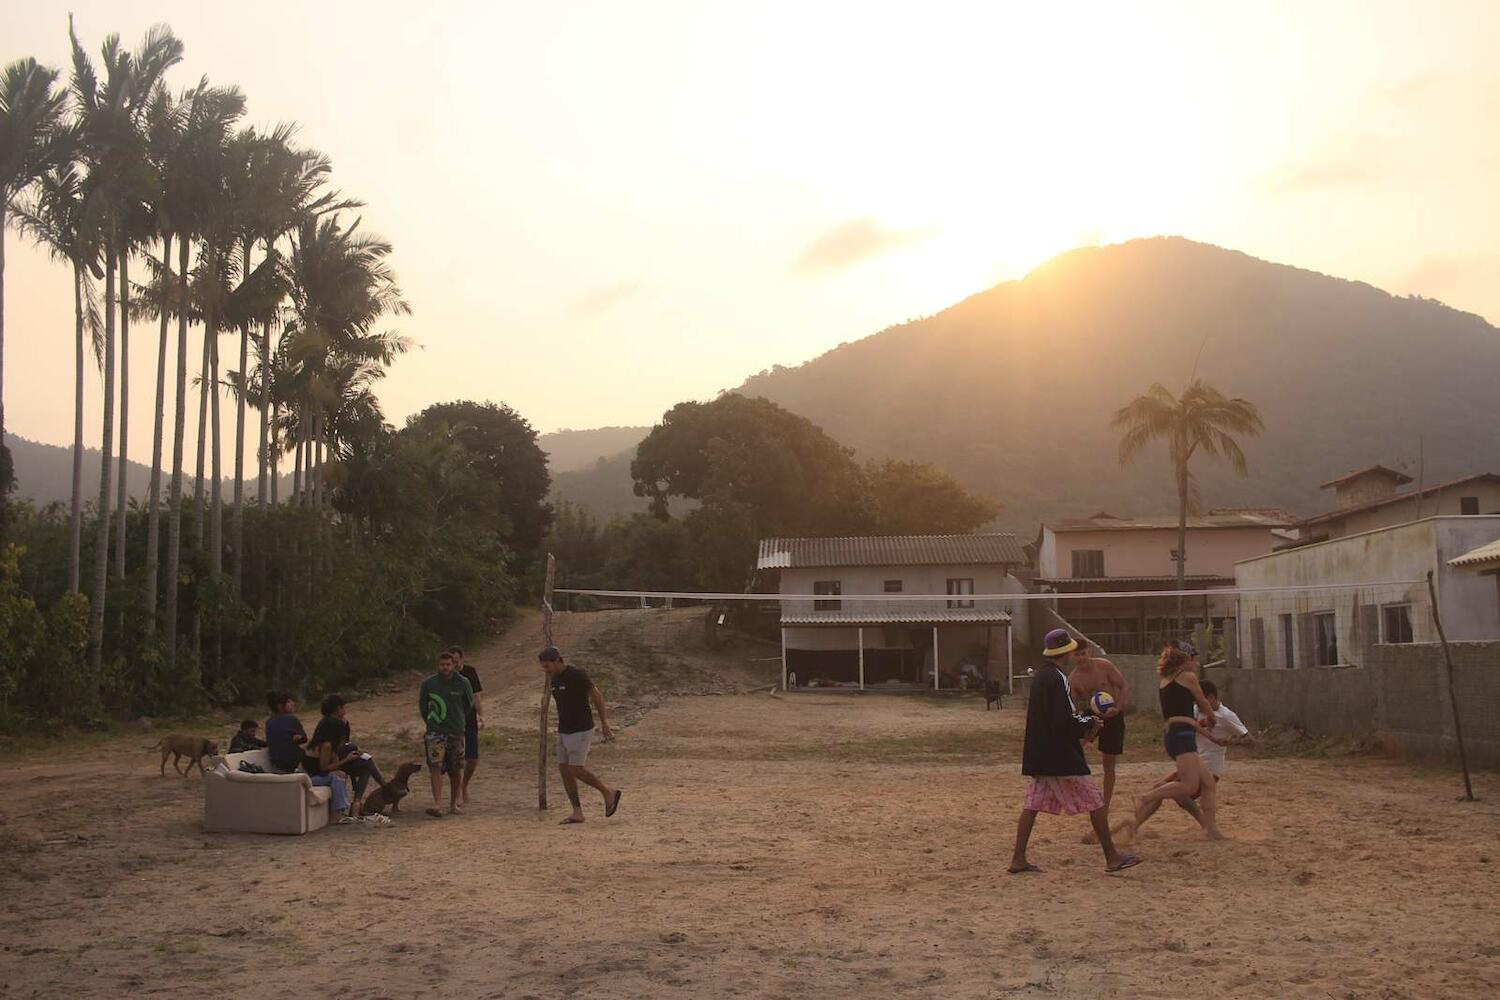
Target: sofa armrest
{"x": 268, "y": 778}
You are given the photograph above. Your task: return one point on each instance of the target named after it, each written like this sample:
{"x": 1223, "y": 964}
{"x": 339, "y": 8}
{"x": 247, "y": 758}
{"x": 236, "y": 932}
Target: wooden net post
{"x": 1458, "y": 731}
{"x": 541, "y": 757}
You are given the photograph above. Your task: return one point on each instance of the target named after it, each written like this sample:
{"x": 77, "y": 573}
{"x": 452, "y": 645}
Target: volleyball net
{"x": 962, "y": 639}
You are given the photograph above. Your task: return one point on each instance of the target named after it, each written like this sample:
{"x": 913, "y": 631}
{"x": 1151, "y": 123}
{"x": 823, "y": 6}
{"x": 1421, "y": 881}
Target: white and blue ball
{"x": 1102, "y": 702}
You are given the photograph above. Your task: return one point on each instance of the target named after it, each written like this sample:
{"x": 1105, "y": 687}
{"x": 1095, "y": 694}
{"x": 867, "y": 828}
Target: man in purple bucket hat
{"x": 1052, "y": 757}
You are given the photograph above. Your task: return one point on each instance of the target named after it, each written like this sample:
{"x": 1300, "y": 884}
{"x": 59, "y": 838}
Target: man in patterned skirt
{"x": 1053, "y": 757}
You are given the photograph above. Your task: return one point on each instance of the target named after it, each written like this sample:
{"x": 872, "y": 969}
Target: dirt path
{"x": 819, "y": 845}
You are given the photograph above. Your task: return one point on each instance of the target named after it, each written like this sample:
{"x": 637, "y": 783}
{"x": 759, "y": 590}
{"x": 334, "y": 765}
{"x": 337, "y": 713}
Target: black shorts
{"x": 1180, "y": 740}
{"x": 1112, "y": 735}
{"x": 471, "y": 741}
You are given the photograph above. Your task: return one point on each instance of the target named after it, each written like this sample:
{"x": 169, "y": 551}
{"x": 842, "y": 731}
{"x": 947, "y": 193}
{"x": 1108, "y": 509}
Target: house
{"x": 851, "y": 620}
{"x": 1485, "y": 561}
{"x": 1371, "y": 498}
{"x": 1325, "y": 603}
{"x": 1105, "y": 554}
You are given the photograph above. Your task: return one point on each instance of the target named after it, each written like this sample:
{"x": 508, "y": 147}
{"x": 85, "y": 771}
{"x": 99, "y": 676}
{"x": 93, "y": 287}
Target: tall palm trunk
{"x": 316, "y": 443}
{"x": 275, "y": 459}
{"x": 75, "y": 510}
{"x": 122, "y": 499}
{"x": 237, "y": 520}
{"x": 297, "y": 477}
{"x": 4, "y": 197}
{"x": 153, "y": 505}
{"x": 200, "y": 496}
{"x": 106, "y": 453}
{"x": 265, "y": 416}
{"x": 216, "y": 488}
{"x": 179, "y": 433}
{"x": 1182, "y": 506}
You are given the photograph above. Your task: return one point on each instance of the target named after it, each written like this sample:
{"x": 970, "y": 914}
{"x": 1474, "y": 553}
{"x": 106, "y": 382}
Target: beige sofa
{"x": 238, "y": 802}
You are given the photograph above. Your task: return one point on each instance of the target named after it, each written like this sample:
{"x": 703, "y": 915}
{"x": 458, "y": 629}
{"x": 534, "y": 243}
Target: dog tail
{"x": 155, "y": 746}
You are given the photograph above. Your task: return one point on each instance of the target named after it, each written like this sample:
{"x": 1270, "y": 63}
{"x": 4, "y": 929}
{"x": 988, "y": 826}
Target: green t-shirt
{"x": 445, "y": 704}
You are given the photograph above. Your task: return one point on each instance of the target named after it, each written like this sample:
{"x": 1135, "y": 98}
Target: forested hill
{"x": 44, "y": 473}
{"x": 570, "y": 450}
{"x": 1012, "y": 390}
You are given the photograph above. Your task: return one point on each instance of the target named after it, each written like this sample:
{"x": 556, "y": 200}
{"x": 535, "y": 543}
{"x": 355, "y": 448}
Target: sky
{"x": 602, "y": 209}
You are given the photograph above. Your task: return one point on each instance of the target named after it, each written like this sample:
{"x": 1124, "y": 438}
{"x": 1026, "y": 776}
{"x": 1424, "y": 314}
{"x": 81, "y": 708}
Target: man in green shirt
{"x": 444, "y": 700}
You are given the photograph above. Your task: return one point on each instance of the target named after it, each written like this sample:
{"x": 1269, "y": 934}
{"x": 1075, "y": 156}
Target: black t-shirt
{"x": 472, "y": 676}
{"x": 330, "y": 730}
{"x": 570, "y": 689}
{"x": 285, "y": 754}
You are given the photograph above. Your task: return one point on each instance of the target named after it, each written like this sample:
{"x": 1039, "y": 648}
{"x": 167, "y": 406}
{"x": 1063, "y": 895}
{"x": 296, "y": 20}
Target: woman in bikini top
{"x": 1178, "y": 692}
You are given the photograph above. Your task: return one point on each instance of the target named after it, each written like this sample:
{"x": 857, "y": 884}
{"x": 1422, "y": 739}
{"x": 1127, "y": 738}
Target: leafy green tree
{"x": 914, "y": 498}
{"x": 1202, "y": 418}
{"x": 505, "y": 448}
{"x": 778, "y": 469}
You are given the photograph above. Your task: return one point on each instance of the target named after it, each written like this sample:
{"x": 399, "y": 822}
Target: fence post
{"x": 541, "y": 757}
{"x": 1458, "y": 732}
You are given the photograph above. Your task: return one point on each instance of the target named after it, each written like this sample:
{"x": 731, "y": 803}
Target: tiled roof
{"x": 1399, "y": 477}
{"x": 1334, "y": 515}
{"x": 1482, "y": 556}
{"x": 936, "y": 616}
{"x": 891, "y": 550}
{"x": 1190, "y": 578}
{"x": 1224, "y": 519}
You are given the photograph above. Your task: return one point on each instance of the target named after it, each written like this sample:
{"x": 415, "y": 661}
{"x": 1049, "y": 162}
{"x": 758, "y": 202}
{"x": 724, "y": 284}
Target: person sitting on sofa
{"x": 246, "y": 740}
{"x": 322, "y": 762}
{"x": 333, "y": 731}
{"x": 284, "y": 733}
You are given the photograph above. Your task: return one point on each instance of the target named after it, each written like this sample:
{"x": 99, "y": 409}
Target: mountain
{"x": 570, "y": 450}
{"x": 44, "y": 473}
{"x": 1012, "y": 389}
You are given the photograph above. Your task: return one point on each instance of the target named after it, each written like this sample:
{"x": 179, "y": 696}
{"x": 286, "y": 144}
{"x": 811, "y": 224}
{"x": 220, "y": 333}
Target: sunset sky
{"x": 600, "y": 209}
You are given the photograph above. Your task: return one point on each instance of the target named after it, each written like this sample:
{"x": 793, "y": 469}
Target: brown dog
{"x": 391, "y": 793}
{"x": 195, "y": 748}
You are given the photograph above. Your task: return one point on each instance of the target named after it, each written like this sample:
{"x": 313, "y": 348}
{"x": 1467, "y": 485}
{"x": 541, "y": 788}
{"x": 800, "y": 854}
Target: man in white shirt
{"x": 1227, "y": 729}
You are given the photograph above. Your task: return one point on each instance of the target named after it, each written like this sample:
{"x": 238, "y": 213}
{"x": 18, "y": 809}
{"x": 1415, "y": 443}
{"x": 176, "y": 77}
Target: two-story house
{"x": 1112, "y": 555}
{"x": 1372, "y": 498}
{"x": 849, "y": 618}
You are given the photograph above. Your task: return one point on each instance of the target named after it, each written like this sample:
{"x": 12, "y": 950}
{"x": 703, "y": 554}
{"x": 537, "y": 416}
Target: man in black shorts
{"x": 1092, "y": 674}
{"x": 573, "y": 691}
{"x": 473, "y": 724}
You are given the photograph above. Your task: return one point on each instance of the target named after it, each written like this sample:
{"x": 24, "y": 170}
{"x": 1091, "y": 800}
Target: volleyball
{"x": 1102, "y": 702}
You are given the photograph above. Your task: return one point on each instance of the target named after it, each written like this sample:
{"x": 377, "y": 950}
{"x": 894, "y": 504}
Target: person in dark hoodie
{"x": 1053, "y": 757}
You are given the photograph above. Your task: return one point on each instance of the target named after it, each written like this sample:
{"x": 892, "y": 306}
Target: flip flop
{"x": 1128, "y": 861}
{"x": 570, "y": 820}
{"x": 614, "y": 804}
{"x": 1025, "y": 869}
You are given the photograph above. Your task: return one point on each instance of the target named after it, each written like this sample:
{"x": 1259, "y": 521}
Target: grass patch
{"x": 627, "y": 668}
{"x": 1287, "y": 741}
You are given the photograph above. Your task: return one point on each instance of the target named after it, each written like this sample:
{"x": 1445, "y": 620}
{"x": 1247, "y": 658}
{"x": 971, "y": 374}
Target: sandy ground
{"x": 811, "y": 845}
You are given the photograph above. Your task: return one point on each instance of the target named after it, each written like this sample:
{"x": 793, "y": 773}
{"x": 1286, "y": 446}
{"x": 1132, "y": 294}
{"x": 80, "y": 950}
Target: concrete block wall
{"x": 1400, "y": 696}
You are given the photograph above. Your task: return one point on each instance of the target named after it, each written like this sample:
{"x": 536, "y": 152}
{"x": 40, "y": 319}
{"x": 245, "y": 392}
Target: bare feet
{"x": 1215, "y": 834}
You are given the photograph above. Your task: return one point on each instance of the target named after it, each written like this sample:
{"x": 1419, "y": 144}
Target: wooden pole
{"x": 541, "y": 756}
{"x": 936, "y": 669}
{"x": 861, "y": 658}
{"x": 1458, "y": 732}
{"x": 1010, "y": 672}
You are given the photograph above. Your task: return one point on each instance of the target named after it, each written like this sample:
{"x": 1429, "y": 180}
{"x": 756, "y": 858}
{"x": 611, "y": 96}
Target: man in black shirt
{"x": 472, "y": 725}
{"x": 573, "y": 691}
{"x": 1052, "y": 756}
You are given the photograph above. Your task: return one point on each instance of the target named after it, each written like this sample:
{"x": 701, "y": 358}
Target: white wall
{"x": 1435, "y": 504}
{"x": 1402, "y": 553}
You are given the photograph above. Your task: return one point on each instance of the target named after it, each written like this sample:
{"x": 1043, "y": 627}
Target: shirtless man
{"x": 1092, "y": 674}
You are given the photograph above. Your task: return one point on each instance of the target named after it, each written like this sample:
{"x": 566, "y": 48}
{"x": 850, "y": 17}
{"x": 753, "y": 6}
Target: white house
{"x": 1376, "y": 592}
{"x": 851, "y": 621}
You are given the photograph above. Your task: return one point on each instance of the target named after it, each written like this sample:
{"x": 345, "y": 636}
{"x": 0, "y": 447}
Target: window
{"x": 893, "y": 586}
{"x": 965, "y": 586}
{"x": 1288, "y": 642}
{"x": 1468, "y": 505}
{"x": 829, "y": 587}
{"x": 1088, "y": 563}
{"x": 1325, "y": 638}
{"x": 1395, "y": 623}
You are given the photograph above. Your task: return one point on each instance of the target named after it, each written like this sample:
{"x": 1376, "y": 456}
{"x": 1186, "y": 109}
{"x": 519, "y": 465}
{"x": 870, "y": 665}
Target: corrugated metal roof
{"x": 940, "y": 616}
{"x": 1237, "y": 519}
{"x": 1487, "y": 553}
{"x": 891, "y": 550}
{"x": 1190, "y": 578}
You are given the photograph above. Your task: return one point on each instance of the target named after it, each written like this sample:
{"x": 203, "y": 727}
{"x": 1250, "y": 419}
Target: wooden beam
{"x": 541, "y": 757}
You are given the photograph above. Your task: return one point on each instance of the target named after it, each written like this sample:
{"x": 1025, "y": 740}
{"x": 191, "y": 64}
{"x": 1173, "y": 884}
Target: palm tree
{"x": 29, "y": 114}
{"x": 108, "y": 111}
{"x": 1201, "y": 418}
{"x": 56, "y": 217}
{"x": 208, "y": 116}
{"x": 342, "y": 284}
